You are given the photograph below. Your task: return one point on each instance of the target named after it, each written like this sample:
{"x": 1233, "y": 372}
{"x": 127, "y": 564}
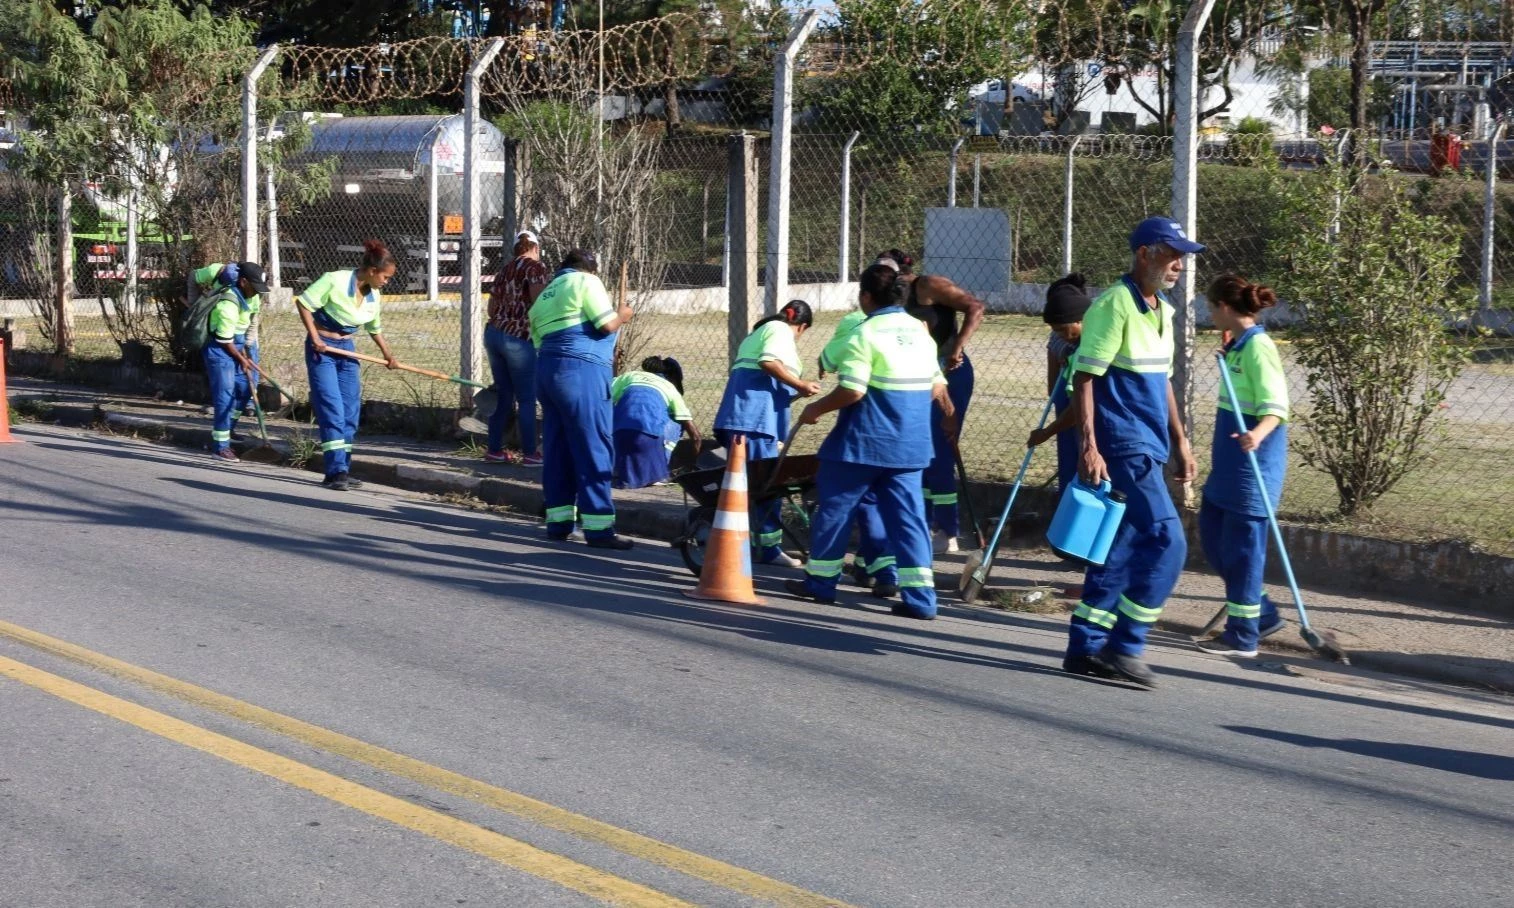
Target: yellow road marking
{"x": 727, "y": 876}
{"x": 510, "y": 852}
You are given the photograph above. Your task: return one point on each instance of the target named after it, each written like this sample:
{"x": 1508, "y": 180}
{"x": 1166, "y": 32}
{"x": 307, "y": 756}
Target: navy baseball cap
{"x": 1161, "y": 229}
{"x": 253, "y": 273}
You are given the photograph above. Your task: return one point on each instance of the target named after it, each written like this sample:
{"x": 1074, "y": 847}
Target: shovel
{"x": 265, "y": 452}
{"x": 979, "y": 563}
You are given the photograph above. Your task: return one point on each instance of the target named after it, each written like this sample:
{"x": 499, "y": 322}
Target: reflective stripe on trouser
{"x": 767, "y": 522}
{"x": 839, "y": 487}
{"x": 578, "y": 449}
{"x": 227, "y": 394}
{"x": 1142, "y": 568}
{"x": 941, "y": 475}
{"x": 336, "y": 397}
{"x": 872, "y": 543}
{"x": 1235, "y": 545}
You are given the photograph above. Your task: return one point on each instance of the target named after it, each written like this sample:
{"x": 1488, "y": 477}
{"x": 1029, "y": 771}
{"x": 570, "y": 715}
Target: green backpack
{"x": 194, "y": 333}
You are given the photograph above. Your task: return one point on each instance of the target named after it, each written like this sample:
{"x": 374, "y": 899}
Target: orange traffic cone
{"x": 5, "y": 410}
{"x": 727, "y": 572}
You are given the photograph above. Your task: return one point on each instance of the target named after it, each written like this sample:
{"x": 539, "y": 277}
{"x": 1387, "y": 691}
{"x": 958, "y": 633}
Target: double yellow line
{"x": 503, "y": 849}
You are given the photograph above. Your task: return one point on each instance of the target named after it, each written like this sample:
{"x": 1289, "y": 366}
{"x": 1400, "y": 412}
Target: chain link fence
{"x": 1019, "y": 179}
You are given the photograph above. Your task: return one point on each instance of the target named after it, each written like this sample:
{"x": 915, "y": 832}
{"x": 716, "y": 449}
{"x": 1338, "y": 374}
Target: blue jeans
{"x": 941, "y": 475}
{"x": 513, "y": 362}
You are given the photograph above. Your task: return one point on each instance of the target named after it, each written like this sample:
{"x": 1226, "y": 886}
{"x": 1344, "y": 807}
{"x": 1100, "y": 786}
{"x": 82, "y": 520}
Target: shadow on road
{"x": 1498, "y": 767}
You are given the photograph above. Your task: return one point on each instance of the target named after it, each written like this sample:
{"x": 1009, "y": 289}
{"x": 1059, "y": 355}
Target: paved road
{"x": 227, "y": 686}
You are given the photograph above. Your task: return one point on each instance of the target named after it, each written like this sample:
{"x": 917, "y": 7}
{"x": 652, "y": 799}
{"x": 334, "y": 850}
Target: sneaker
{"x": 531, "y": 460}
{"x": 941, "y": 544}
{"x": 353, "y": 482}
{"x": 1082, "y": 665}
{"x": 1219, "y": 646}
{"x": 884, "y": 591}
{"x": 904, "y": 611}
{"x": 1271, "y": 629}
{"x": 784, "y": 559}
{"x": 573, "y": 536}
{"x": 859, "y": 575}
{"x": 227, "y": 455}
{"x": 238, "y": 436}
{"x": 336, "y": 483}
{"x": 800, "y": 589}
{"x": 1125, "y": 668}
{"x": 619, "y": 543}
{"x": 497, "y": 457}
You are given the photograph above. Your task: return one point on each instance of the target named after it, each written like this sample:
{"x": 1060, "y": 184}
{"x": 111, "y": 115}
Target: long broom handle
{"x": 1256, "y": 470}
{"x": 993, "y": 544}
{"x": 269, "y": 378}
{"x": 429, "y": 373}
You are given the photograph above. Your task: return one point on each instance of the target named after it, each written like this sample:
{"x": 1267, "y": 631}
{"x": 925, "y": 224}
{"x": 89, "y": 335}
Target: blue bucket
{"x": 1085, "y": 523}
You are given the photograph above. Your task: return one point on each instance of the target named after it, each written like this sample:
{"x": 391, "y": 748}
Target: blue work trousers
{"x": 229, "y": 392}
{"x": 873, "y": 547}
{"x": 941, "y": 475}
{"x": 336, "y": 397}
{"x": 1123, "y": 598}
{"x": 840, "y": 488}
{"x": 768, "y": 538}
{"x": 578, "y": 449}
{"x": 1235, "y": 545}
{"x": 513, "y": 361}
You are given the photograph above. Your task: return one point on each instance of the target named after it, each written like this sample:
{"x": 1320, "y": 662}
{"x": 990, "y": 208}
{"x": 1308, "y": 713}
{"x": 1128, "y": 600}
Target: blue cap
{"x": 1161, "y": 229}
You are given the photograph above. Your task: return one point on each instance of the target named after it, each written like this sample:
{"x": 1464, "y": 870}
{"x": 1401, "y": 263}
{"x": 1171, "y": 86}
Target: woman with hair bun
{"x": 763, "y": 383}
{"x": 1233, "y": 516}
{"x": 333, "y": 308}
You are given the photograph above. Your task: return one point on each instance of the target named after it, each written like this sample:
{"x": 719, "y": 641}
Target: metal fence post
{"x": 1067, "y": 207}
{"x": 778, "y": 174}
{"x": 1185, "y": 176}
{"x": 275, "y": 265}
{"x": 128, "y": 299}
{"x": 434, "y": 230}
{"x": 977, "y": 178}
{"x": 471, "y": 360}
{"x": 1489, "y": 217}
{"x": 742, "y": 240}
{"x": 846, "y": 208}
{"x": 951, "y": 183}
{"x": 250, "y": 153}
{"x": 63, "y": 327}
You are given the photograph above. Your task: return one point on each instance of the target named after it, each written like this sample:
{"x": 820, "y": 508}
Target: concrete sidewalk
{"x": 1397, "y": 636}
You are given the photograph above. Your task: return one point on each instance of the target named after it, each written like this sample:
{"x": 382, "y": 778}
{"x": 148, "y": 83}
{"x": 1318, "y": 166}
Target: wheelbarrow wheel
{"x": 696, "y": 535}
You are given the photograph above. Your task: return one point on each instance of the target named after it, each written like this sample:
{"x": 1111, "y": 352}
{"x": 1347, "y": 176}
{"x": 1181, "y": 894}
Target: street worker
{"x": 512, "y": 359}
{"x": 573, "y": 325}
{"x": 873, "y": 566}
{"x": 938, "y": 303}
{"x": 1129, "y": 427}
{"x": 650, "y": 417}
{"x": 333, "y": 308}
{"x": 763, "y": 382}
{"x": 224, "y": 274}
{"x": 1066, "y": 302}
{"x": 1233, "y": 517}
{"x": 227, "y": 366}
{"x": 889, "y": 378}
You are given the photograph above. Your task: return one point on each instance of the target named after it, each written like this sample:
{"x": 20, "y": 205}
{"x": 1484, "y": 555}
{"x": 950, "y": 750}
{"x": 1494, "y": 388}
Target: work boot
{"x": 618, "y": 543}
{"x": 337, "y": 482}
{"x": 860, "y": 575}
{"x": 884, "y": 591}
{"x": 1125, "y": 668}
{"x": 802, "y": 590}
{"x": 1271, "y": 629}
{"x": 1082, "y": 665}
{"x": 1219, "y": 646}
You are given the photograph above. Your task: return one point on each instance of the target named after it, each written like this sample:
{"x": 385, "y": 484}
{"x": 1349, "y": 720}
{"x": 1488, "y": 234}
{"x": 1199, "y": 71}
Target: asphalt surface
{"x": 866, "y": 758}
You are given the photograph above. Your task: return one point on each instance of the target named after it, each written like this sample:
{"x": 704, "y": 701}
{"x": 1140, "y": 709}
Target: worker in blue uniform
{"x": 1129, "y": 427}
{"x": 333, "y": 308}
{"x": 888, "y": 380}
{"x": 764, "y": 381}
{"x": 227, "y": 365}
{"x": 214, "y": 277}
{"x": 873, "y": 566}
{"x": 952, "y": 315}
{"x": 1233, "y": 516}
{"x": 573, "y": 325}
{"x": 650, "y": 417}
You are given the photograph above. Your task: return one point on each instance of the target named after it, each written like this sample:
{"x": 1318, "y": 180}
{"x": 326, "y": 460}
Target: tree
{"x": 1371, "y": 279}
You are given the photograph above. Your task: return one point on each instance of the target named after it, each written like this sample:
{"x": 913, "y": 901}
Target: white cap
{"x": 528, "y": 235}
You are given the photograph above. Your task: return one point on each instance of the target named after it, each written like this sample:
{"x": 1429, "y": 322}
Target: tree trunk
{"x": 1360, "y": 12}
{"x": 63, "y": 327}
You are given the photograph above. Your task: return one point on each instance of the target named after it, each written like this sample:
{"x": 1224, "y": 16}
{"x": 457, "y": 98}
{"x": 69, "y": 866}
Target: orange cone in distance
{"x": 5, "y": 412}
{"x": 727, "y": 572}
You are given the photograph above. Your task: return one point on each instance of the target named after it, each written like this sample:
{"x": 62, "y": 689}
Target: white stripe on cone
{"x": 734, "y": 521}
{"x": 736, "y": 482}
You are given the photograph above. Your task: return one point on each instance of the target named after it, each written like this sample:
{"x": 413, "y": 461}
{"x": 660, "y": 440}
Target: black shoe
{"x": 619, "y": 543}
{"x": 1082, "y": 665}
{"x": 1271, "y": 629}
{"x": 337, "y": 483}
{"x": 859, "y": 575}
{"x": 800, "y": 589}
{"x": 1219, "y": 646}
{"x": 1126, "y": 668}
{"x": 353, "y": 482}
{"x": 884, "y": 591}
{"x": 904, "y": 611}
